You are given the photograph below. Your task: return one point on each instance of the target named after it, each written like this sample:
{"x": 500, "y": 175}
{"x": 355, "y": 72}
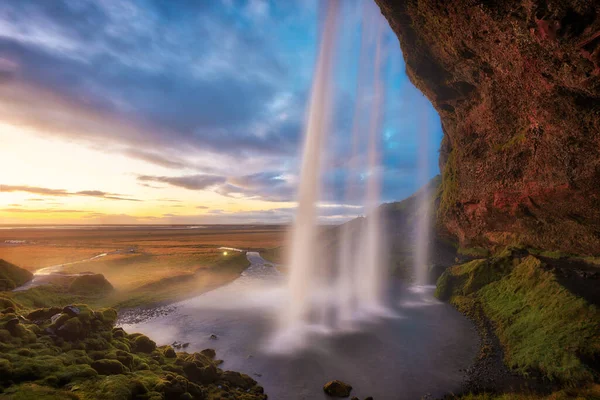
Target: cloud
{"x": 119, "y": 69}
{"x": 40, "y": 211}
{"x": 161, "y": 82}
{"x": 155, "y": 158}
{"x": 63, "y": 192}
{"x": 191, "y": 182}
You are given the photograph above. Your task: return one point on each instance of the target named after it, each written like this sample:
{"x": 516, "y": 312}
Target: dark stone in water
{"x": 213, "y": 337}
{"x": 337, "y": 388}
{"x": 210, "y": 353}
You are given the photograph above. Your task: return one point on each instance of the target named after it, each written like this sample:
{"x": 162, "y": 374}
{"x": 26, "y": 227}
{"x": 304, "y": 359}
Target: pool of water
{"x": 419, "y": 351}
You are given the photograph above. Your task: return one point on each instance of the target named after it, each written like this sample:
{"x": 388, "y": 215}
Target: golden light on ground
{"x": 224, "y": 253}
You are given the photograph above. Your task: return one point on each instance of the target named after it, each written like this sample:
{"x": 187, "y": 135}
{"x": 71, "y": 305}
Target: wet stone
{"x": 337, "y": 388}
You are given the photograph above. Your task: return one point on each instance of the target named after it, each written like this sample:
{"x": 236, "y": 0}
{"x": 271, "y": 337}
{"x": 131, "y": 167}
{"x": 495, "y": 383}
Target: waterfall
{"x": 333, "y": 286}
{"x": 423, "y": 228}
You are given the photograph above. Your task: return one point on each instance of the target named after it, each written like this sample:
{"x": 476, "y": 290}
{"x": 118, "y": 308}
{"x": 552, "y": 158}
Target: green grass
{"x": 167, "y": 290}
{"x": 182, "y": 286}
{"x": 44, "y": 296}
{"x": 12, "y": 276}
{"x": 541, "y": 325}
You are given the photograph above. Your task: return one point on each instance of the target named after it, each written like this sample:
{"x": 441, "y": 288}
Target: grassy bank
{"x": 544, "y": 329}
{"x": 163, "y": 290}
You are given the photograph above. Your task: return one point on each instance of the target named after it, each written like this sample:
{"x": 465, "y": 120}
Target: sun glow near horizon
{"x": 31, "y": 160}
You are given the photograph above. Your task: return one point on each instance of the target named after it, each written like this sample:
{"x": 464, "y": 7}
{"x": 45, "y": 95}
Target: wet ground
{"x": 419, "y": 352}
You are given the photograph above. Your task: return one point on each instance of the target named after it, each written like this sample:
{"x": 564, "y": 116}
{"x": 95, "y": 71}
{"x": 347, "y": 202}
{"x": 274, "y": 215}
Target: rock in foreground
{"x": 337, "y": 388}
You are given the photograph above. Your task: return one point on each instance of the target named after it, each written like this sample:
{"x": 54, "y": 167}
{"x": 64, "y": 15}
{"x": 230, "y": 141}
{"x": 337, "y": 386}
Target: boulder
{"x": 337, "y": 388}
{"x": 71, "y": 311}
{"x": 210, "y": 353}
{"x": 144, "y": 344}
{"x": 169, "y": 352}
{"x": 43, "y": 314}
{"x": 237, "y": 379}
{"x": 109, "y": 367}
{"x": 72, "y": 329}
{"x": 197, "y": 373}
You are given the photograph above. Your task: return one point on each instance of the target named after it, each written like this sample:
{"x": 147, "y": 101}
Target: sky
{"x": 187, "y": 112}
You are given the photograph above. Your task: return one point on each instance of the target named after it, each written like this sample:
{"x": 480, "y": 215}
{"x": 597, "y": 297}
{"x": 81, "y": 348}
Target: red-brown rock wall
{"x": 517, "y": 86}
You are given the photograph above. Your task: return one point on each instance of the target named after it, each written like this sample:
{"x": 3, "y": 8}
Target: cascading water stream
{"x": 302, "y": 262}
{"x": 329, "y": 293}
{"x": 421, "y": 267}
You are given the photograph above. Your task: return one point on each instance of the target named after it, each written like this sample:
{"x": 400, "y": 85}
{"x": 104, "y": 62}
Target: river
{"x": 418, "y": 353}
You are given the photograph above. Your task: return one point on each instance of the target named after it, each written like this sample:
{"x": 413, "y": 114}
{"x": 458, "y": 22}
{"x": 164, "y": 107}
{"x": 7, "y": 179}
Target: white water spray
{"x": 421, "y": 267}
{"x": 303, "y": 256}
{"x": 330, "y": 295}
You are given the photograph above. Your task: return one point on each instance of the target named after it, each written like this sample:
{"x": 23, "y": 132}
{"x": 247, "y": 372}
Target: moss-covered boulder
{"x": 144, "y": 344}
{"x": 43, "y": 314}
{"x": 237, "y": 379}
{"x": 109, "y": 367}
{"x": 12, "y": 276}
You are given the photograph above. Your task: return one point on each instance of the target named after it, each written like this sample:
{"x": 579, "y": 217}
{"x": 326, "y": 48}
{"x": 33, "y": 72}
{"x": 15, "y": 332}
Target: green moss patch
{"x": 75, "y": 352}
{"x": 542, "y": 326}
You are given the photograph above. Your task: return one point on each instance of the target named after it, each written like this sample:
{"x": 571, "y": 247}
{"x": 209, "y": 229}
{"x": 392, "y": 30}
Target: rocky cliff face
{"x": 517, "y": 86}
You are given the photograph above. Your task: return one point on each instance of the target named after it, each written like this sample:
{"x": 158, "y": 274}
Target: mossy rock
{"x": 43, "y": 314}
{"x": 109, "y": 367}
{"x": 72, "y": 329}
{"x": 168, "y": 352}
{"x": 237, "y": 379}
{"x": 143, "y": 344}
{"x": 6, "y": 369}
{"x": 75, "y": 372}
{"x": 108, "y": 316}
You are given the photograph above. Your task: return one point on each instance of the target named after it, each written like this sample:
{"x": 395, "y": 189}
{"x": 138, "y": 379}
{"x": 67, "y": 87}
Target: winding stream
{"x": 419, "y": 352}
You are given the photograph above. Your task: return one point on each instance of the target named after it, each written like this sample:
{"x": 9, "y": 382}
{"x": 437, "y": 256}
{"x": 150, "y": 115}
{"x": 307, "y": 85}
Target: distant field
{"x": 144, "y": 264}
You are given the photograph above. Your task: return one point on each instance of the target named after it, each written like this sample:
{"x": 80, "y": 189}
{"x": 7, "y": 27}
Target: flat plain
{"x": 146, "y": 265}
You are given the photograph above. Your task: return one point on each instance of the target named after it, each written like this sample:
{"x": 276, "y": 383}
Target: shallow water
{"x": 420, "y": 351}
